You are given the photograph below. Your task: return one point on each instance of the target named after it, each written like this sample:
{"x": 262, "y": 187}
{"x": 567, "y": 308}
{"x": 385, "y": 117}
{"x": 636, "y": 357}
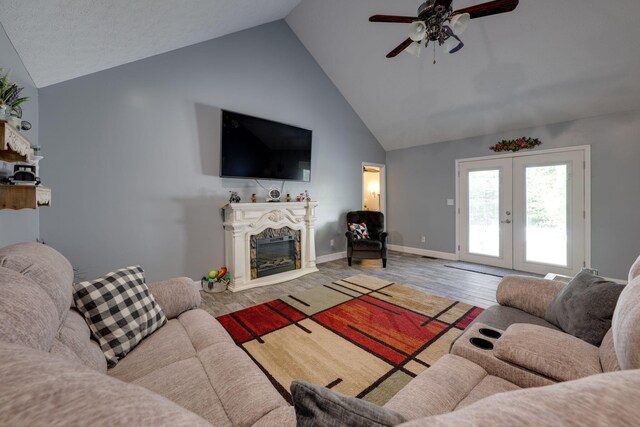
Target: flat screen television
{"x": 262, "y": 149}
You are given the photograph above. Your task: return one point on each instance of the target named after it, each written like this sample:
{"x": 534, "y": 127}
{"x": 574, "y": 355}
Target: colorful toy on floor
{"x": 217, "y": 281}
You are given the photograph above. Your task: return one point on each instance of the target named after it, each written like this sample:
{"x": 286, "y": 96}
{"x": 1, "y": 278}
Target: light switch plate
{"x": 450, "y": 202}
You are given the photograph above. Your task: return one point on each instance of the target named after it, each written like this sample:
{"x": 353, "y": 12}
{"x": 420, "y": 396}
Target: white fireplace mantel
{"x": 243, "y": 220}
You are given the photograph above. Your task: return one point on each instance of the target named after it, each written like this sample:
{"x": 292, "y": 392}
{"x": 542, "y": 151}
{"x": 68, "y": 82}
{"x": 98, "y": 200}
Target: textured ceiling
{"x": 62, "y": 39}
{"x": 548, "y": 61}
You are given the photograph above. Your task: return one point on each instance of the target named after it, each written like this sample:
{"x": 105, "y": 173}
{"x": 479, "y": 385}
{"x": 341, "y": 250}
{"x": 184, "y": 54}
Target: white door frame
{"x": 383, "y": 188}
{"x": 586, "y": 149}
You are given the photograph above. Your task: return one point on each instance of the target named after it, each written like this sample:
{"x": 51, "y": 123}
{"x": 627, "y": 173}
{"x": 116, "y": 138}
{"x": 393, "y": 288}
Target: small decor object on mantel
{"x": 234, "y": 197}
{"x": 303, "y": 197}
{"x": 288, "y": 197}
{"x": 217, "y": 281}
{"x": 514, "y": 145}
{"x": 254, "y": 198}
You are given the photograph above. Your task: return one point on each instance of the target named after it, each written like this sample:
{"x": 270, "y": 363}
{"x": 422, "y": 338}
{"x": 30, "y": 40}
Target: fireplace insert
{"x": 275, "y": 255}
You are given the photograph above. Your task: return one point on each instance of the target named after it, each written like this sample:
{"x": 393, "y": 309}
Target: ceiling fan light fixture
{"x": 414, "y": 49}
{"x": 418, "y": 31}
{"x": 459, "y": 23}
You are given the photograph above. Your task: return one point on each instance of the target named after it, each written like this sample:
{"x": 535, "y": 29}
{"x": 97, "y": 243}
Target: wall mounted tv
{"x": 262, "y": 149}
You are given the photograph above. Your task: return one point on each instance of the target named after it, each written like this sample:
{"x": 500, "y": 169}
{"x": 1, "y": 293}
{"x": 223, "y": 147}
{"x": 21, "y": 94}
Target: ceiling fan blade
{"x": 490, "y": 8}
{"x": 402, "y": 46}
{"x": 392, "y": 19}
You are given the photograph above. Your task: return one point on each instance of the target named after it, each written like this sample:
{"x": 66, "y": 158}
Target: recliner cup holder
{"x": 490, "y": 333}
{"x": 481, "y": 343}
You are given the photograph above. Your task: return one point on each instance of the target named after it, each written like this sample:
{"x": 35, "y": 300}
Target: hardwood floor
{"x": 426, "y": 274}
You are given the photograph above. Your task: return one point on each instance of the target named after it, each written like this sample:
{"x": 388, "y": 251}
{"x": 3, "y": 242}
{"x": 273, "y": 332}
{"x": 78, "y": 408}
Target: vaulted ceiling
{"x": 548, "y": 61}
{"x": 61, "y": 39}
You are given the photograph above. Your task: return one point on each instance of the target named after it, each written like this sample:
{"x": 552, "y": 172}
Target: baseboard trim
{"x": 424, "y": 252}
{"x": 331, "y": 257}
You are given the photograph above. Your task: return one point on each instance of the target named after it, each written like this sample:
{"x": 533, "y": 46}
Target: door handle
{"x": 508, "y": 221}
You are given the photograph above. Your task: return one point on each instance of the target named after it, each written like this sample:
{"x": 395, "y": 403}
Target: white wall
{"x": 133, "y": 152}
{"x": 22, "y": 225}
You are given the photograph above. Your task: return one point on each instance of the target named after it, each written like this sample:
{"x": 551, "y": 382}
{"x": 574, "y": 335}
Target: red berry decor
{"x": 516, "y": 144}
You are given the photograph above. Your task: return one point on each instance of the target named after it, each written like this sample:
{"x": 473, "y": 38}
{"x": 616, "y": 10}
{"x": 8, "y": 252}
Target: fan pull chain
{"x": 434, "y": 54}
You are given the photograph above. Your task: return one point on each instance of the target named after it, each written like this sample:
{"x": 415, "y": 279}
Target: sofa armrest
{"x": 529, "y": 294}
{"x": 383, "y": 238}
{"x": 554, "y": 354}
{"x": 175, "y": 296}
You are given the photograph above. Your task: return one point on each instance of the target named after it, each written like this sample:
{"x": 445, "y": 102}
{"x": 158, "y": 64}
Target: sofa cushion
{"x": 176, "y": 296}
{"x": 194, "y": 348}
{"x": 47, "y": 267}
{"x": 489, "y": 386}
{"x": 529, "y": 294}
{"x": 186, "y": 383}
{"x": 585, "y": 306}
{"x": 120, "y": 311}
{"x": 38, "y": 389}
{"x": 444, "y": 386}
{"x": 74, "y": 334}
{"x": 553, "y": 354}
{"x": 320, "y": 406}
{"x": 28, "y": 315}
{"x": 607, "y": 351}
{"x": 501, "y": 317}
{"x": 626, "y": 333}
{"x": 599, "y": 400}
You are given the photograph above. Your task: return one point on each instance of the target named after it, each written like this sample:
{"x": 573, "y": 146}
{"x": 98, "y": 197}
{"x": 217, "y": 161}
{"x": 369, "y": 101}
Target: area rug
{"x": 362, "y": 336}
{"x": 487, "y": 269}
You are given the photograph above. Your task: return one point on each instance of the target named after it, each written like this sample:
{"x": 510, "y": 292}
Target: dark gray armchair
{"x": 375, "y": 247}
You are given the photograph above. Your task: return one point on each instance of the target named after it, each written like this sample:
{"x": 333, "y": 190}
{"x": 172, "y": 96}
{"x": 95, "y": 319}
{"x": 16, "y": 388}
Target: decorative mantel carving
{"x": 242, "y": 220}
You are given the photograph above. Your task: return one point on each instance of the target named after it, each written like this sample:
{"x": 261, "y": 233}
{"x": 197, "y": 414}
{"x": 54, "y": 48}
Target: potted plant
{"x": 10, "y": 99}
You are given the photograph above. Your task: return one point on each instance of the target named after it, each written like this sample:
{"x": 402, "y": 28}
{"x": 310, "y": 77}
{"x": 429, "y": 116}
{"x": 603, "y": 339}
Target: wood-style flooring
{"x": 427, "y": 274}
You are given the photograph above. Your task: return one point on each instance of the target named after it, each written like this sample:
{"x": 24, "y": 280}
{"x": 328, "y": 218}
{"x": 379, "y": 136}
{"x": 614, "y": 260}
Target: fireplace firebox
{"x": 275, "y": 255}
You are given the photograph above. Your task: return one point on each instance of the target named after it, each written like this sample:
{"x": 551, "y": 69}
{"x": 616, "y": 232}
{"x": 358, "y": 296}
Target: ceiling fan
{"x": 438, "y": 22}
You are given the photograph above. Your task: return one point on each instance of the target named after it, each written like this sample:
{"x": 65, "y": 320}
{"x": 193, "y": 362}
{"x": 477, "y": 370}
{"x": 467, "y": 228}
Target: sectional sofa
{"x": 190, "y": 372}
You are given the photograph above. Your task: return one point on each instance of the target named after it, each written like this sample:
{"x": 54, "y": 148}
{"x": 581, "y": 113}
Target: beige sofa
{"x": 191, "y": 373}
{"x": 46, "y": 347}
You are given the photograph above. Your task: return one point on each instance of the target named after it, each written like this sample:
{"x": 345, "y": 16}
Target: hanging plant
{"x": 516, "y": 144}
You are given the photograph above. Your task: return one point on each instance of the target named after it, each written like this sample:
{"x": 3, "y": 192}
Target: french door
{"x": 525, "y": 213}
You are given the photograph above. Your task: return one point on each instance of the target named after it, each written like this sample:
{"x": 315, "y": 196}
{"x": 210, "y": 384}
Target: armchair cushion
{"x": 176, "y": 296}
{"x": 367, "y": 245}
{"x": 529, "y": 294}
{"x": 554, "y": 354}
{"x": 584, "y": 307}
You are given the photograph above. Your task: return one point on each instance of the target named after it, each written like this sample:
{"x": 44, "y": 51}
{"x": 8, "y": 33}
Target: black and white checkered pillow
{"x": 120, "y": 311}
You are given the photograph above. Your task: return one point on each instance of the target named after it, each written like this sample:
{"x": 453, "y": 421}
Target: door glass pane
{"x": 546, "y": 214}
{"x": 484, "y": 212}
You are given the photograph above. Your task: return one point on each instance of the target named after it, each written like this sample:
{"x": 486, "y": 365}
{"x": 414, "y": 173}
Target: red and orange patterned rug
{"x": 362, "y": 336}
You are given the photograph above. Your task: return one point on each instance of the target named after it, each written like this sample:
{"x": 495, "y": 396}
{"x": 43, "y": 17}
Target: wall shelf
{"x": 13, "y": 146}
{"x": 24, "y": 196}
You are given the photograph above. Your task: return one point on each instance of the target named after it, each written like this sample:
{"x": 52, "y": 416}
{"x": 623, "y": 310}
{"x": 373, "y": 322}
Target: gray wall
{"x": 22, "y": 225}
{"x": 133, "y": 152}
{"x": 421, "y": 179}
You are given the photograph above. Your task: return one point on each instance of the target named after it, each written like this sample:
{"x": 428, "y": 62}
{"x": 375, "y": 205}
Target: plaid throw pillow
{"x": 120, "y": 311}
{"x": 359, "y": 231}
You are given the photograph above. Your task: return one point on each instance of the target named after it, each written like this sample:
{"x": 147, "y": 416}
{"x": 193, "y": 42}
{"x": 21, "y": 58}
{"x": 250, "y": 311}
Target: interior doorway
{"x": 373, "y": 187}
